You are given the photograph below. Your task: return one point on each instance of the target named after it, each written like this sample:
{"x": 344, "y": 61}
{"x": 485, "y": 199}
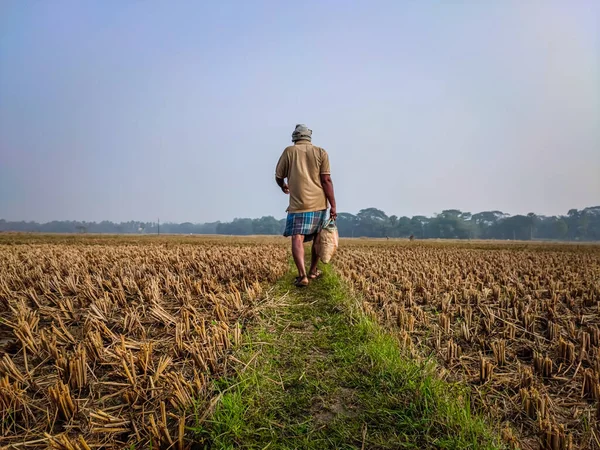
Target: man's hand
{"x": 333, "y": 213}
{"x": 283, "y": 185}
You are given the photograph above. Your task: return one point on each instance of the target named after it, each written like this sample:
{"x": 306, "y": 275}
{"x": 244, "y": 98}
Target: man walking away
{"x": 309, "y": 185}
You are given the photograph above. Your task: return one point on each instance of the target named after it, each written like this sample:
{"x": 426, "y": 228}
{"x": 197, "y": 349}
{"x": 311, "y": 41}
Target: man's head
{"x": 301, "y": 133}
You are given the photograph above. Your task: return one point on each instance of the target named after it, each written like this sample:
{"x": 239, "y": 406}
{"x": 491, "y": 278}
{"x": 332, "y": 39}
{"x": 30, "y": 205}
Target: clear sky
{"x": 120, "y": 110}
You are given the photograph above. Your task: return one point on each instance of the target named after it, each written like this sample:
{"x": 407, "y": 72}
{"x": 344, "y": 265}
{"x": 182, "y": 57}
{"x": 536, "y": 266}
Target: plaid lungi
{"x": 305, "y": 223}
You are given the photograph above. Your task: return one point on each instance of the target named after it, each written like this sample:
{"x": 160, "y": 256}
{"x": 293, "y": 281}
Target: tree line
{"x": 576, "y": 225}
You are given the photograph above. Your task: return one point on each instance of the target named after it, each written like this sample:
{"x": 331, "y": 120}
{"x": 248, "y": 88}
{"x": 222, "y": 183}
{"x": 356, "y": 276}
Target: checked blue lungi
{"x": 306, "y": 223}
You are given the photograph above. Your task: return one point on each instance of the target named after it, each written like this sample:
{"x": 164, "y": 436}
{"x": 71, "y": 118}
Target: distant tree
{"x": 593, "y": 226}
{"x": 584, "y": 223}
{"x": 241, "y": 227}
{"x": 346, "y": 224}
{"x": 449, "y": 224}
{"x": 266, "y": 225}
{"x": 419, "y": 226}
{"x": 372, "y": 222}
{"x": 393, "y": 226}
{"x": 532, "y": 221}
{"x": 372, "y": 214}
{"x": 404, "y": 227}
{"x": 562, "y": 228}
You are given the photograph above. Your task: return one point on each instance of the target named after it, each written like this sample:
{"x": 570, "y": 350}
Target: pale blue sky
{"x": 140, "y": 109}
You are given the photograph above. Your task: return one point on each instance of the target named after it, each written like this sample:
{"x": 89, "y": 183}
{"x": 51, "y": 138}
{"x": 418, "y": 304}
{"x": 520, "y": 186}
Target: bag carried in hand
{"x": 328, "y": 241}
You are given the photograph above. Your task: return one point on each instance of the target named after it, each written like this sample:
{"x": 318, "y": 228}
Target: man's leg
{"x": 314, "y": 256}
{"x": 298, "y": 254}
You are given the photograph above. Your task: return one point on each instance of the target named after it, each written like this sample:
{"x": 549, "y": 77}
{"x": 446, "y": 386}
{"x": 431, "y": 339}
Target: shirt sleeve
{"x": 282, "y": 169}
{"x": 325, "y": 169}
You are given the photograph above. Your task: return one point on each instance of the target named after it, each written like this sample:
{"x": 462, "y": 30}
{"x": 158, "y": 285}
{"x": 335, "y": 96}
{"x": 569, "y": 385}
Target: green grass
{"x": 322, "y": 375}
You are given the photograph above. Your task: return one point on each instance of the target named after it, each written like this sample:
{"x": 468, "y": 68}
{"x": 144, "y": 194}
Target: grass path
{"x": 318, "y": 374}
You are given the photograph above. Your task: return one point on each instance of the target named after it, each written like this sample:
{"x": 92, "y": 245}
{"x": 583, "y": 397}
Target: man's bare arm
{"x": 282, "y": 184}
{"x": 327, "y": 184}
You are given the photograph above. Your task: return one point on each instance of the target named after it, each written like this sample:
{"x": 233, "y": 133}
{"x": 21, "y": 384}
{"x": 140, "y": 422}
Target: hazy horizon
{"x": 129, "y": 110}
{"x": 279, "y": 217}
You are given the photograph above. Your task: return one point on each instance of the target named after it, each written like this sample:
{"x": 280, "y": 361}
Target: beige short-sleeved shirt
{"x": 303, "y": 164}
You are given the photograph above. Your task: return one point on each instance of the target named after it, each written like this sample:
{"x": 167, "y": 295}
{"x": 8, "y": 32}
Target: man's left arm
{"x": 328, "y": 184}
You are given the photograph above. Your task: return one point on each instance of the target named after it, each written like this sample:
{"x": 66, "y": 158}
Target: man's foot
{"x": 301, "y": 281}
{"x": 316, "y": 274}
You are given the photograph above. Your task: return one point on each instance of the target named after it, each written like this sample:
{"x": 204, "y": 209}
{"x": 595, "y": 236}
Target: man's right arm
{"x": 281, "y": 173}
{"x": 328, "y": 188}
{"x": 282, "y": 184}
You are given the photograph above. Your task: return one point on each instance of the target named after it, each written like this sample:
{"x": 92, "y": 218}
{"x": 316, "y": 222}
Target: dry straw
{"x": 523, "y": 320}
{"x": 106, "y": 345}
